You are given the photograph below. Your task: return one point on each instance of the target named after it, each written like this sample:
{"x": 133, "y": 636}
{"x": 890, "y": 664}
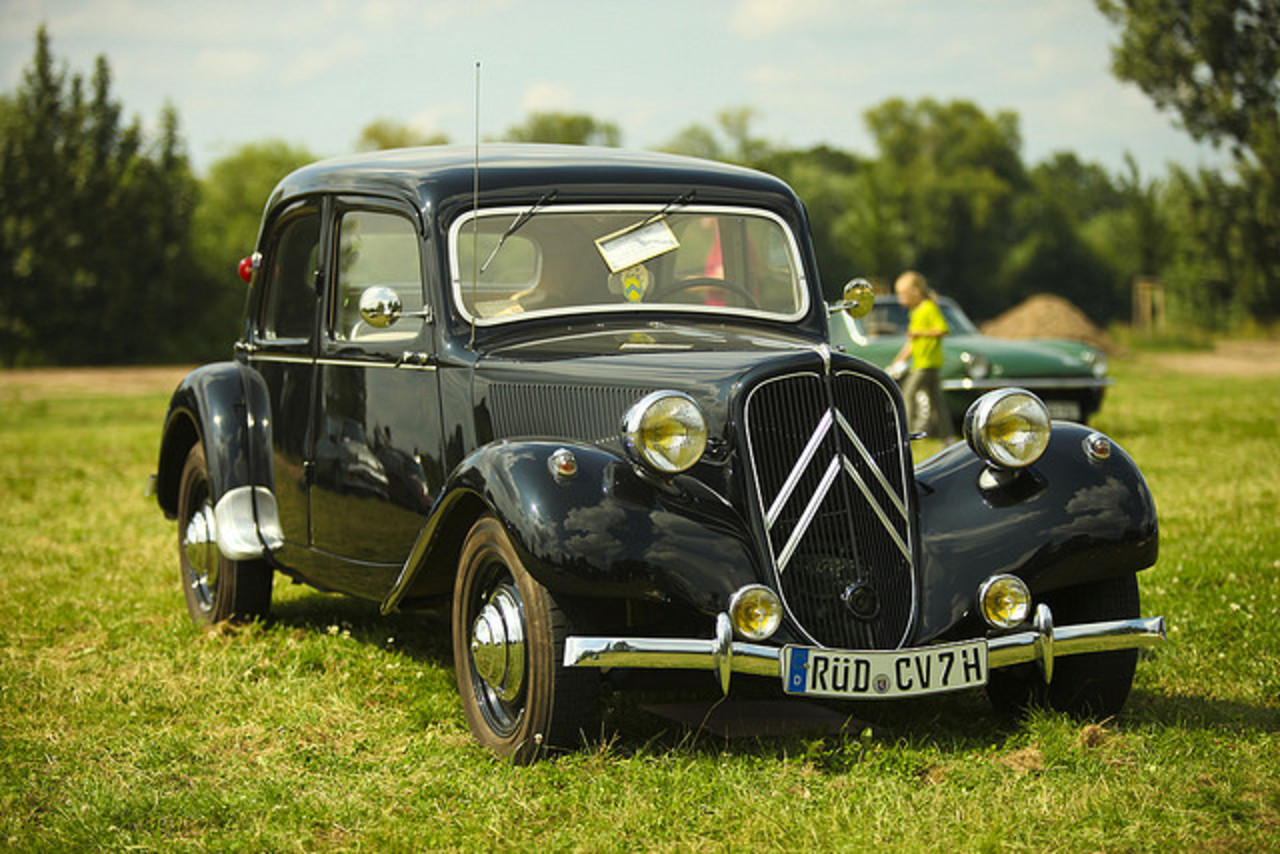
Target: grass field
{"x": 122, "y": 727}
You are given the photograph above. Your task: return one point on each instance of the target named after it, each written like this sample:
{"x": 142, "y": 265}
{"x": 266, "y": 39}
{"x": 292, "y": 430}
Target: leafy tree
{"x": 566, "y": 129}
{"x": 226, "y": 225}
{"x": 1216, "y": 64}
{"x": 730, "y": 140}
{"x": 386, "y": 133}
{"x": 950, "y": 175}
{"x": 95, "y": 242}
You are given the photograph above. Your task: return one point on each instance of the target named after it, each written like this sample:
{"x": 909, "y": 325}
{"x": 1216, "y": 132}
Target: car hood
{"x": 1008, "y": 358}
{"x": 591, "y": 378}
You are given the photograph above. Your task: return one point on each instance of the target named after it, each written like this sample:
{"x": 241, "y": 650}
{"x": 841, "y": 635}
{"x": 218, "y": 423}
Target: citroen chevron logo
{"x": 879, "y": 494}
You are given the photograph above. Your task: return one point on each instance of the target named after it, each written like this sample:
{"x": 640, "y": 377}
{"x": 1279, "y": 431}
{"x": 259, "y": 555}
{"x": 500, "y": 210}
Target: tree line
{"x": 113, "y": 251}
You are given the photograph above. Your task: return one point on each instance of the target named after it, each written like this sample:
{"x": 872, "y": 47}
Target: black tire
{"x": 508, "y": 652}
{"x": 216, "y": 588}
{"x": 1094, "y": 685}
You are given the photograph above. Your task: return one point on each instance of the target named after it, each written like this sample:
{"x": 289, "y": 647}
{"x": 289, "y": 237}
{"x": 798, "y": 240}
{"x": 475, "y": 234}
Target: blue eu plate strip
{"x": 798, "y": 670}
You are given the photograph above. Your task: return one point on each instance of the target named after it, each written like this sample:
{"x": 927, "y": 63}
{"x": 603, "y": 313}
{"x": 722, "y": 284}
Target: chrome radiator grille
{"x": 832, "y": 480}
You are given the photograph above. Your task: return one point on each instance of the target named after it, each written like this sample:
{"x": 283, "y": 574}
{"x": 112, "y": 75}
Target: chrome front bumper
{"x": 724, "y": 656}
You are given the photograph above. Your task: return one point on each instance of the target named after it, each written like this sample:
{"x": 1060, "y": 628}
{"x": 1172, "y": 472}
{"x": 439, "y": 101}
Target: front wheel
{"x": 508, "y": 650}
{"x": 1091, "y": 685}
{"x": 216, "y": 588}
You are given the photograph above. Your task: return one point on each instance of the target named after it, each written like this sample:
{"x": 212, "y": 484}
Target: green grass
{"x": 122, "y": 727}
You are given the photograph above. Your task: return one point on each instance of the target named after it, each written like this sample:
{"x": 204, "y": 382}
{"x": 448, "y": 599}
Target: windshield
{"x": 888, "y": 318}
{"x": 576, "y": 259}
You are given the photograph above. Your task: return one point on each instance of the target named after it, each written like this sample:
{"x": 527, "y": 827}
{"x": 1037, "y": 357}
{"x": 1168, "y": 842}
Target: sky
{"x": 316, "y": 73}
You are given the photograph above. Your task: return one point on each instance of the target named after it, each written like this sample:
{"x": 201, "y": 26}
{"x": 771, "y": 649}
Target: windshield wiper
{"x": 678, "y": 202}
{"x": 523, "y": 217}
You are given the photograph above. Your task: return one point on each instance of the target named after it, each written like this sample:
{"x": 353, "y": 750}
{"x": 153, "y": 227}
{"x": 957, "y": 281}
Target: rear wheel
{"x": 1092, "y": 685}
{"x": 508, "y": 650}
{"x": 215, "y": 587}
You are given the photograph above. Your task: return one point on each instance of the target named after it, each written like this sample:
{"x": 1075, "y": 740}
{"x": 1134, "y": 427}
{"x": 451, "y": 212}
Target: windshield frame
{"x": 460, "y": 229}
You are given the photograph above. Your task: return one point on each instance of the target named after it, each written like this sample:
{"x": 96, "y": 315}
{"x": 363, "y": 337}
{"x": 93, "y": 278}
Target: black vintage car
{"x": 588, "y": 396}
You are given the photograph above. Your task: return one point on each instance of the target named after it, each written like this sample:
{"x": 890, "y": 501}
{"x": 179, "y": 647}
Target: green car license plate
{"x": 884, "y": 674}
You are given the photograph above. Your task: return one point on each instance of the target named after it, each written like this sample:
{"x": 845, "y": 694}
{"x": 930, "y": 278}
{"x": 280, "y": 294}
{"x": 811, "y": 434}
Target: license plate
{"x": 884, "y": 674}
{"x": 1063, "y": 410}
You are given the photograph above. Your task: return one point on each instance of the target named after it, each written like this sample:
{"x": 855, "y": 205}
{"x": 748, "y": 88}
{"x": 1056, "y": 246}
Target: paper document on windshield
{"x": 636, "y": 244}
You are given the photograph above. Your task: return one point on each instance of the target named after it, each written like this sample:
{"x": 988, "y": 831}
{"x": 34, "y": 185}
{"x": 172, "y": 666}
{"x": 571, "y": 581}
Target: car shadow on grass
{"x": 1200, "y": 712}
{"x": 421, "y": 635}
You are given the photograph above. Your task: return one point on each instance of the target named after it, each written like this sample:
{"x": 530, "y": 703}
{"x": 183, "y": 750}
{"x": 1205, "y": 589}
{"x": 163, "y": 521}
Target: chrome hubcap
{"x": 498, "y": 644}
{"x": 200, "y": 547}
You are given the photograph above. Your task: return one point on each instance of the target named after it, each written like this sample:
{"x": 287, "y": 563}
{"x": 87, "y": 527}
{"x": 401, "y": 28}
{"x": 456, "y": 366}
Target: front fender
{"x": 1067, "y": 519}
{"x": 608, "y": 530}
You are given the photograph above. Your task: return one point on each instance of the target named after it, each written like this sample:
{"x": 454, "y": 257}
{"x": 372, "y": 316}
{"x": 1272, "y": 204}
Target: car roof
{"x": 434, "y": 174}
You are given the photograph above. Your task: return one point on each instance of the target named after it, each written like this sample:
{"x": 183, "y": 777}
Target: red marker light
{"x": 246, "y": 267}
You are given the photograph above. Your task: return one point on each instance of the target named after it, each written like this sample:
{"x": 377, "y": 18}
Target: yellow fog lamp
{"x": 1008, "y": 428}
{"x": 756, "y": 612}
{"x": 665, "y": 431}
{"x": 1004, "y": 600}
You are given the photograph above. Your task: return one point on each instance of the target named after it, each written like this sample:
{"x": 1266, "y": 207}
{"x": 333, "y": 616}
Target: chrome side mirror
{"x": 857, "y": 299}
{"x": 380, "y": 306}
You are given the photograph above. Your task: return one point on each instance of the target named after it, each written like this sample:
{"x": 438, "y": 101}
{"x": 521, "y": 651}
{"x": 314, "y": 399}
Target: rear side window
{"x": 289, "y": 302}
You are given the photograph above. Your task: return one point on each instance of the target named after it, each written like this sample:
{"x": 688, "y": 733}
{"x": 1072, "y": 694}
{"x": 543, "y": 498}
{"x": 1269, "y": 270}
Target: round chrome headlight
{"x": 1005, "y": 601}
{"x": 1008, "y": 428}
{"x": 756, "y": 612}
{"x": 665, "y": 431}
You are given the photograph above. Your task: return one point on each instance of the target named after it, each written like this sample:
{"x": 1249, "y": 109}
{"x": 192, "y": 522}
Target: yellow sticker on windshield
{"x": 632, "y": 283}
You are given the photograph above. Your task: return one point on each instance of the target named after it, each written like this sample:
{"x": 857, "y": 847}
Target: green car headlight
{"x": 665, "y": 431}
{"x": 976, "y": 365}
{"x": 1008, "y": 428}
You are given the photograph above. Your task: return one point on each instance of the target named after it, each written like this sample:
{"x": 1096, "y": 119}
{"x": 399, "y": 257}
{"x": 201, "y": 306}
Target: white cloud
{"x": 310, "y": 64}
{"x": 231, "y": 63}
{"x": 546, "y": 97}
{"x": 762, "y": 18}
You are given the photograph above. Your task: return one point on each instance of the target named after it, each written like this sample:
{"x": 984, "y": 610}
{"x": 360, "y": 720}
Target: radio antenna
{"x": 475, "y": 213}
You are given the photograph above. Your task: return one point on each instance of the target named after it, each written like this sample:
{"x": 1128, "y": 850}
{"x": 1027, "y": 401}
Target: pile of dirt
{"x": 1047, "y": 316}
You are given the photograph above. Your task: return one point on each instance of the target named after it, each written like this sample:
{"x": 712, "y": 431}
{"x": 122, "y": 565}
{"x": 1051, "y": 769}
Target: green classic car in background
{"x": 1070, "y": 376}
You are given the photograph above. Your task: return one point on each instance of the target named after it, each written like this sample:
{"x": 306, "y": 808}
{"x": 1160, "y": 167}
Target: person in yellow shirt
{"x": 922, "y": 389}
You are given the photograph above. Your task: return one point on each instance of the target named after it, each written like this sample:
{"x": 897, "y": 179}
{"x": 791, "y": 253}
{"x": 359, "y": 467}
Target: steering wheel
{"x": 743, "y": 296}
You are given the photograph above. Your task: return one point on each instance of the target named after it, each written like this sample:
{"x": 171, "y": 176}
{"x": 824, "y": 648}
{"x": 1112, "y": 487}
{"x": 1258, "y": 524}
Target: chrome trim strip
{"x": 327, "y": 361}
{"x": 970, "y": 384}
{"x": 761, "y": 660}
{"x": 810, "y": 510}
{"x": 871, "y": 463}
{"x": 798, "y": 470}
{"x": 281, "y": 358}
{"x": 879, "y": 511}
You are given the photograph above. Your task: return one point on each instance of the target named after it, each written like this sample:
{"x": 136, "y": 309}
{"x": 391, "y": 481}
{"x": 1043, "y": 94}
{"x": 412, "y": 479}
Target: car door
{"x": 377, "y": 430}
{"x": 283, "y": 352}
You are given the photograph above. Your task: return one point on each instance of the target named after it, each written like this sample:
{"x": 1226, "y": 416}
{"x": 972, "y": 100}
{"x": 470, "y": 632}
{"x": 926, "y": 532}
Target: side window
{"x": 289, "y": 303}
{"x": 376, "y": 249}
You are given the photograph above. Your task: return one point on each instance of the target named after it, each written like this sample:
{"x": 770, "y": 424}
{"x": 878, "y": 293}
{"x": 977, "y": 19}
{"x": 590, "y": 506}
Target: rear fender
{"x": 1068, "y": 519}
{"x": 225, "y": 407}
{"x": 608, "y": 530}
